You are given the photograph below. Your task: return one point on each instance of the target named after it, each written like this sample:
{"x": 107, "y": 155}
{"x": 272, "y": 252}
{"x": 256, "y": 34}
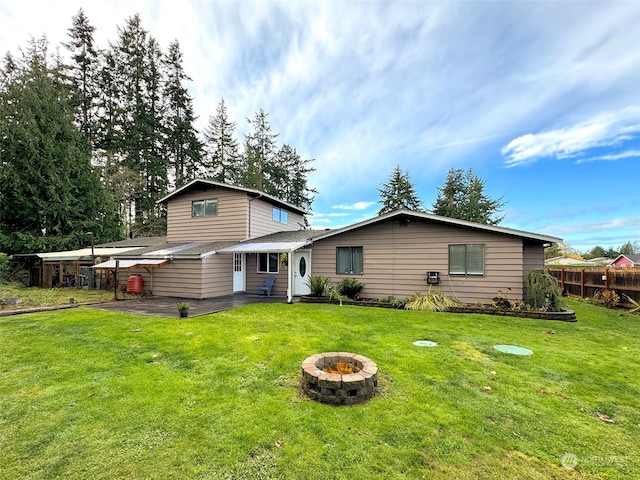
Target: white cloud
{"x": 602, "y": 130}
{"x": 612, "y": 157}
{"x": 355, "y": 206}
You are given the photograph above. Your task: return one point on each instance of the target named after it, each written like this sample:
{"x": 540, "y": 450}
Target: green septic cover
{"x": 425, "y": 343}
{"x": 513, "y": 350}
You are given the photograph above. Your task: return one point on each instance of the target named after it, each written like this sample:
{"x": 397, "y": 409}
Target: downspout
{"x": 290, "y": 277}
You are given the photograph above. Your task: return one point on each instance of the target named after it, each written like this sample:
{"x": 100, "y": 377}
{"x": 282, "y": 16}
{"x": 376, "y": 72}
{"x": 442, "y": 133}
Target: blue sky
{"x": 541, "y": 99}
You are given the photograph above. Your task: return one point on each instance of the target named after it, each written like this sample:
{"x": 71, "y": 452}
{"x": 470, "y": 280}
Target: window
{"x": 280, "y": 215}
{"x": 349, "y": 260}
{"x": 268, "y": 262}
{"x": 466, "y": 259}
{"x": 204, "y": 208}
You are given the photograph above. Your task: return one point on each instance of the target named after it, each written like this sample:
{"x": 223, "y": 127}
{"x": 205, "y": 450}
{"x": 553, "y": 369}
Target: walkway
{"x": 166, "y": 306}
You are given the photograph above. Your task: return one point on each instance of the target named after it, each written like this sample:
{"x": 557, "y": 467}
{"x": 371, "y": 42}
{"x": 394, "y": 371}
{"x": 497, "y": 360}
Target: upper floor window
{"x": 349, "y": 260}
{"x": 466, "y": 259}
{"x": 280, "y": 215}
{"x": 204, "y": 208}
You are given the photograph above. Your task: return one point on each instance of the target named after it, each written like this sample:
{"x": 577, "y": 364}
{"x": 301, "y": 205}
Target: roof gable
{"x": 203, "y": 183}
{"x": 427, "y": 217}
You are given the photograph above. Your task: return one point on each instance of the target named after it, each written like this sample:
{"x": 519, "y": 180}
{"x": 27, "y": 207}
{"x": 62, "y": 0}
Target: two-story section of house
{"x": 203, "y": 217}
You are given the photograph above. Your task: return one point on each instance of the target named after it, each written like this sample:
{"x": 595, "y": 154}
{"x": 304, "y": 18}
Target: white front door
{"x": 238, "y": 272}
{"x": 301, "y": 273}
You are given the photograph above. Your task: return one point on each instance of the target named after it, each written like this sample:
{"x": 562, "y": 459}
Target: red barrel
{"x": 135, "y": 284}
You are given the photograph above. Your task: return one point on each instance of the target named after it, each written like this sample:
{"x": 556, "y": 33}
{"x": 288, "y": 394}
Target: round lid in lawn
{"x": 513, "y": 350}
{"x": 425, "y": 343}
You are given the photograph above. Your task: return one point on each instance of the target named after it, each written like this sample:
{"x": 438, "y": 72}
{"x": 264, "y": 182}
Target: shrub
{"x": 633, "y": 302}
{"x": 433, "y": 300}
{"x": 543, "y": 291}
{"x": 319, "y": 286}
{"x": 4, "y": 267}
{"x": 350, "y": 287}
{"x": 393, "y": 301}
{"x": 608, "y": 298}
{"x": 501, "y": 302}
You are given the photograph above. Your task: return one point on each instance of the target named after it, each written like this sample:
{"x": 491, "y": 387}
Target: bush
{"x": 350, "y": 287}
{"x": 4, "y": 267}
{"x": 608, "y": 298}
{"x": 393, "y": 301}
{"x": 433, "y": 300}
{"x": 543, "y": 291}
{"x": 501, "y": 302}
{"x": 319, "y": 286}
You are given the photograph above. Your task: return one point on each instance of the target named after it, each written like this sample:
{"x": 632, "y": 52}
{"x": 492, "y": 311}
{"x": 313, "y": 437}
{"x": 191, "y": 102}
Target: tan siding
{"x": 254, "y": 278}
{"x": 396, "y": 260}
{"x": 231, "y": 222}
{"x": 217, "y": 275}
{"x": 180, "y": 278}
{"x": 262, "y": 222}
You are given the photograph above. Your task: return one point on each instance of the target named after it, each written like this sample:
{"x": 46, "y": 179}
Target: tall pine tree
{"x": 223, "y": 160}
{"x": 260, "y": 151}
{"x": 462, "y": 196}
{"x": 82, "y": 73}
{"x": 184, "y": 149}
{"x": 399, "y": 193}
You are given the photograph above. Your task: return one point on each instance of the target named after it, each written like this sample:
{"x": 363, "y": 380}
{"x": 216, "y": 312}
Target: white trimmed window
{"x": 204, "y": 208}
{"x": 466, "y": 259}
{"x": 280, "y": 215}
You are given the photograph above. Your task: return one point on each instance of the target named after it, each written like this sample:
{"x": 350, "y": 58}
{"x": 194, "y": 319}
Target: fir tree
{"x": 462, "y": 196}
{"x": 82, "y": 73}
{"x": 224, "y": 162}
{"x": 183, "y": 147}
{"x": 262, "y": 169}
{"x": 399, "y": 193}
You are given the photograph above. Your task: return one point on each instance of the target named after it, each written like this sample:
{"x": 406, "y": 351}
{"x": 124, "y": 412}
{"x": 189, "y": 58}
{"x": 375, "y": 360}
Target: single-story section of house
{"x": 399, "y": 254}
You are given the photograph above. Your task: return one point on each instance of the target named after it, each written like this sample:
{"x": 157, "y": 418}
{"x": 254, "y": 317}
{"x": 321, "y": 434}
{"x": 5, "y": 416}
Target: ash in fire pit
{"x": 339, "y": 378}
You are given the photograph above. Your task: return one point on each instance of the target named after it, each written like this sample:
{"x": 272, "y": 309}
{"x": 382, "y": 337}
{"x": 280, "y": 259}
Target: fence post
{"x": 582, "y": 283}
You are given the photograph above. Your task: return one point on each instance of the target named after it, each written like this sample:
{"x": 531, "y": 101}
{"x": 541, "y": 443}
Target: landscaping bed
{"x": 565, "y": 316}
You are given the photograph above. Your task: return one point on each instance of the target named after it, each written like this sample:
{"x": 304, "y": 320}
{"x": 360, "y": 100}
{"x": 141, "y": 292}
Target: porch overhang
{"x": 127, "y": 264}
{"x": 271, "y": 247}
{"x": 264, "y": 247}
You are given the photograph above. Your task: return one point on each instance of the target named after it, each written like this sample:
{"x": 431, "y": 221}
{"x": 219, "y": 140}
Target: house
{"x": 629, "y": 260}
{"x": 224, "y": 239}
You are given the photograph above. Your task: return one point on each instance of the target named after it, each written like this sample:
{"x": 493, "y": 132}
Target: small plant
{"x": 609, "y": 298}
{"x": 183, "y": 306}
{"x": 350, "y": 287}
{"x": 4, "y": 267}
{"x": 501, "y": 301}
{"x": 393, "y": 301}
{"x": 478, "y": 304}
{"x": 319, "y": 286}
{"x": 433, "y": 300}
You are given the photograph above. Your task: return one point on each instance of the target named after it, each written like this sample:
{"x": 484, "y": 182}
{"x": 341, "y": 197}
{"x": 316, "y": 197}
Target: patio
{"x": 166, "y": 306}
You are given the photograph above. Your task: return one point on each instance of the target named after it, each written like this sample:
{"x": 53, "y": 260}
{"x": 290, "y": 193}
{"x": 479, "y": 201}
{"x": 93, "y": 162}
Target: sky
{"x": 541, "y": 99}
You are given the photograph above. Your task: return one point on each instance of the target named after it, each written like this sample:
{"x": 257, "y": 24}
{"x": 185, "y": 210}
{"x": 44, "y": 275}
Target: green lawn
{"x": 86, "y": 394}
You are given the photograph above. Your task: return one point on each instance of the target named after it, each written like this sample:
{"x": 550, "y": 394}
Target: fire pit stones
{"x": 336, "y": 389}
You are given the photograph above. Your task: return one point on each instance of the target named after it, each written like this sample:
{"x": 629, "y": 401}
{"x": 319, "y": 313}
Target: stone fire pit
{"x": 339, "y": 378}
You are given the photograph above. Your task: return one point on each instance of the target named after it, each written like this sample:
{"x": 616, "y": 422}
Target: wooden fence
{"x": 585, "y": 282}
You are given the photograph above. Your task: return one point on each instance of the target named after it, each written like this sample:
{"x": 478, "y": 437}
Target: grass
{"x": 32, "y": 297}
{"x": 91, "y": 394}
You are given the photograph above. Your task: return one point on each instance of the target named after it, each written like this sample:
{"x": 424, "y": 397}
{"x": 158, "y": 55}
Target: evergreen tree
{"x": 294, "y": 187}
{"x": 51, "y": 195}
{"x": 224, "y": 162}
{"x": 260, "y": 150}
{"x": 136, "y": 132}
{"x": 183, "y": 146}
{"x": 462, "y": 196}
{"x": 399, "y": 193}
{"x": 82, "y": 73}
